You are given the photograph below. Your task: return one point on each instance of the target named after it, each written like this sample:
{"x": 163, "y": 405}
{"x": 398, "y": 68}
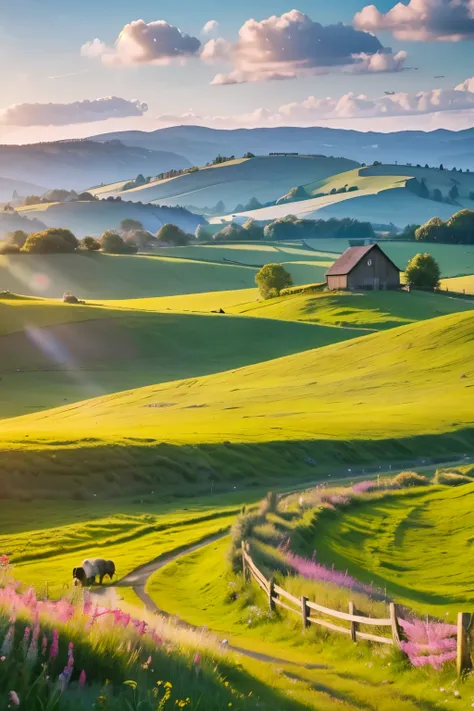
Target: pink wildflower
{"x": 197, "y": 659}
{"x": 7, "y": 645}
{"x": 44, "y": 645}
{"x": 26, "y": 636}
{"x": 4, "y": 561}
{"x": 54, "y": 649}
{"x": 14, "y": 698}
{"x": 82, "y": 679}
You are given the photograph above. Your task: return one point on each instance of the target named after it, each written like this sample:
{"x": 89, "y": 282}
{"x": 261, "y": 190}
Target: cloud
{"x": 144, "y": 43}
{"x": 77, "y": 112}
{"x": 349, "y": 106}
{"x": 449, "y": 20}
{"x": 210, "y": 27}
{"x": 293, "y": 44}
{"x": 216, "y": 50}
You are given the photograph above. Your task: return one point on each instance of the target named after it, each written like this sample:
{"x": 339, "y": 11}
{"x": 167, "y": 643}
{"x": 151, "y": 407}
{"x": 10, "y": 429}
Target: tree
{"x": 18, "y": 237}
{"x": 232, "y": 232}
{"x": 254, "y": 231}
{"x": 437, "y": 195}
{"x": 91, "y": 244}
{"x": 423, "y": 272}
{"x": 271, "y": 279}
{"x": 172, "y": 234}
{"x": 409, "y": 232}
{"x": 460, "y": 227}
{"x": 441, "y": 167}
{"x": 112, "y": 243}
{"x": 253, "y": 204}
{"x": 249, "y": 155}
{"x": 129, "y": 224}
{"x": 141, "y": 238}
{"x": 219, "y": 208}
{"x": 54, "y": 240}
{"x": 454, "y": 192}
{"x": 432, "y": 231}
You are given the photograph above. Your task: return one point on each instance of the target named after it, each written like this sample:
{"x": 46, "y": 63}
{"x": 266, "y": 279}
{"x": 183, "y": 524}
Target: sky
{"x": 78, "y": 69}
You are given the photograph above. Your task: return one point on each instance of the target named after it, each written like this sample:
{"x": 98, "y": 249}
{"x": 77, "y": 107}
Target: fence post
{"x": 244, "y": 564}
{"x": 395, "y": 626}
{"x": 353, "y": 624}
{"x": 304, "y": 611}
{"x": 271, "y": 594}
{"x": 463, "y": 658}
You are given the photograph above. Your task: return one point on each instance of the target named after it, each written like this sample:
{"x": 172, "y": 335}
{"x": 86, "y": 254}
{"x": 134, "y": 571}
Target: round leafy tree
{"x": 423, "y": 272}
{"x": 112, "y": 243}
{"x": 271, "y": 279}
{"x": 172, "y": 234}
{"x": 54, "y": 240}
{"x": 91, "y": 244}
{"x": 432, "y": 231}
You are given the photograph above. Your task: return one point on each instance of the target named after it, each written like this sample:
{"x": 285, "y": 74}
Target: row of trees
{"x": 458, "y": 229}
{"x": 129, "y": 239}
{"x": 291, "y": 228}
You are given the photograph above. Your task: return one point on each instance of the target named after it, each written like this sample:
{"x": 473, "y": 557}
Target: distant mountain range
{"x": 76, "y": 165}
{"x": 200, "y": 145}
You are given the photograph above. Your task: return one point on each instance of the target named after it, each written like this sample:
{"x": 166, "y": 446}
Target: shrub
{"x": 129, "y": 224}
{"x": 271, "y": 279}
{"x": 423, "y": 272}
{"x": 9, "y": 248}
{"x": 406, "y": 479}
{"x": 113, "y": 243}
{"x": 451, "y": 478}
{"x": 54, "y": 240}
{"x": 17, "y": 237}
{"x": 141, "y": 238}
{"x": 172, "y": 234}
{"x": 91, "y": 244}
{"x": 303, "y": 289}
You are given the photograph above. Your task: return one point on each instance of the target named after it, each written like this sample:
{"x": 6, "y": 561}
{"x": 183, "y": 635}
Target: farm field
{"x": 52, "y": 353}
{"x": 401, "y": 543}
{"x": 337, "y": 404}
{"x": 461, "y": 284}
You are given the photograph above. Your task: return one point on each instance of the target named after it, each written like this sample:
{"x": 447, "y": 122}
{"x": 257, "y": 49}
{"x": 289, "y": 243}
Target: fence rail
{"x": 304, "y": 608}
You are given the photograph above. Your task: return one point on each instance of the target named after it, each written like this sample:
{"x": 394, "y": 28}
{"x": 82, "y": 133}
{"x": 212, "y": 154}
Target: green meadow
{"x": 417, "y": 546}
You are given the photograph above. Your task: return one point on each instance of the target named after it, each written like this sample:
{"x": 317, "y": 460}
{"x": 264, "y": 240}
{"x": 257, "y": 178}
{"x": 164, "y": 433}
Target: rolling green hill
{"x": 54, "y": 353}
{"x": 399, "y": 543}
{"x": 380, "y": 194}
{"x": 234, "y": 182}
{"x": 389, "y": 396}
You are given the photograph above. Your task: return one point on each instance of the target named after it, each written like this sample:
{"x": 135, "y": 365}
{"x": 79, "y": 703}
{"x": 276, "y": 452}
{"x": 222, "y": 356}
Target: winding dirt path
{"x": 139, "y": 577}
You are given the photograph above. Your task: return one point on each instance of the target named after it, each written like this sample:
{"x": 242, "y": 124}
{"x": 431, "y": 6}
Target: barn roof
{"x": 351, "y": 259}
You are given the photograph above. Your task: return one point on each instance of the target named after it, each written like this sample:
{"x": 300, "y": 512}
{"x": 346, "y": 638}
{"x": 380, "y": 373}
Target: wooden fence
{"x": 278, "y": 597}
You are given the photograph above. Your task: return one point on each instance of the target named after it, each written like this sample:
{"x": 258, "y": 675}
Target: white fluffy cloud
{"x": 348, "y": 106}
{"x": 293, "y": 44}
{"x": 450, "y": 20}
{"x": 144, "y": 43}
{"x": 77, "y": 112}
{"x": 210, "y": 27}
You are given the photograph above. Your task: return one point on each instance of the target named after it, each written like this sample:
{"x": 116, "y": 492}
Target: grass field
{"x": 403, "y": 542}
{"x": 52, "y": 353}
{"x": 336, "y": 404}
{"x": 463, "y": 284}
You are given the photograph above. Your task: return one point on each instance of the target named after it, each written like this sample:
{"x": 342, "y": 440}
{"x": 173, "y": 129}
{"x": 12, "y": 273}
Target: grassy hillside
{"x": 263, "y": 177}
{"x": 92, "y": 218}
{"x": 370, "y": 310}
{"x": 394, "y": 395}
{"x": 102, "y": 276}
{"x": 53, "y": 353}
{"x": 383, "y": 196}
{"x": 400, "y": 542}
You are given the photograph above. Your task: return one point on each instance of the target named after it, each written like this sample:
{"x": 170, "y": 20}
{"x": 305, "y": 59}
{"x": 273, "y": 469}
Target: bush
{"x": 172, "y": 234}
{"x": 91, "y": 244}
{"x": 9, "y": 248}
{"x": 423, "y": 272}
{"x": 129, "y": 224}
{"x": 271, "y": 279}
{"x": 303, "y": 289}
{"x": 451, "y": 478}
{"x": 406, "y": 479}
{"x": 54, "y": 240}
{"x": 17, "y": 237}
{"x": 112, "y": 243}
{"x": 141, "y": 238}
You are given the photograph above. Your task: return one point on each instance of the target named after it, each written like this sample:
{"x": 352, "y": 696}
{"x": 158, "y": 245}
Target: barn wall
{"x": 337, "y": 282}
{"x": 380, "y": 275}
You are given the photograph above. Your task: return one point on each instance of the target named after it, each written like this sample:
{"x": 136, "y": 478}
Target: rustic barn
{"x": 363, "y": 268}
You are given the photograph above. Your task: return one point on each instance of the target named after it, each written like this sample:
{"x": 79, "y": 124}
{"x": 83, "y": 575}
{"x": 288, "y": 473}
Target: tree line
{"x": 128, "y": 239}
{"x": 458, "y": 229}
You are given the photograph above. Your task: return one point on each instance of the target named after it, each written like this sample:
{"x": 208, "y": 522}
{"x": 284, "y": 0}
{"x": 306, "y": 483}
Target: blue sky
{"x": 41, "y": 39}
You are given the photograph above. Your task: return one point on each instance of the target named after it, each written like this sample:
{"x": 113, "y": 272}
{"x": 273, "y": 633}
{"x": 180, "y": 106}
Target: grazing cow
{"x": 89, "y": 569}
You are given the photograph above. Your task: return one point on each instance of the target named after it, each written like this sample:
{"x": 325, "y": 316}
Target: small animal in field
{"x": 89, "y": 569}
